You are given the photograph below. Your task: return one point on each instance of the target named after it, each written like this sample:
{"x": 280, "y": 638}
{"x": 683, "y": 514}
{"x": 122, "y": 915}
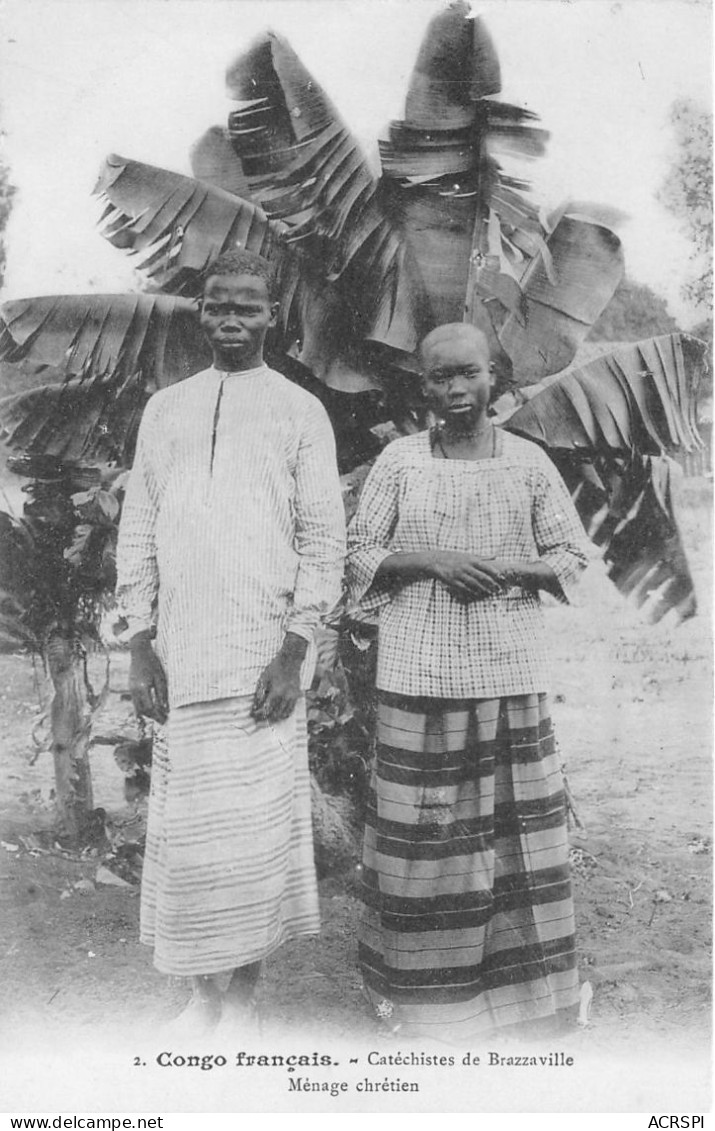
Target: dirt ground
{"x": 632, "y": 707}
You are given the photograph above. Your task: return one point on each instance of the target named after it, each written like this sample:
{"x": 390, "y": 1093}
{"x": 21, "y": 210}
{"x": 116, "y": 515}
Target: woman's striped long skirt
{"x": 468, "y": 919}
{"x": 228, "y": 872}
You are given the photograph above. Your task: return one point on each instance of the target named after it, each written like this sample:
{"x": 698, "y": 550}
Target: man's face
{"x": 236, "y": 312}
{"x": 458, "y": 379}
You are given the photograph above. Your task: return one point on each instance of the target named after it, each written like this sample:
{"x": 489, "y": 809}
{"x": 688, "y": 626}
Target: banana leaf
{"x": 285, "y": 103}
{"x": 443, "y": 185}
{"x": 214, "y": 161}
{"x": 308, "y": 172}
{"x": 474, "y": 236}
{"x": 76, "y": 421}
{"x": 645, "y": 554}
{"x": 298, "y": 155}
{"x": 640, "y": 398}
{"x": 508, "y": 130}
{"x": 565, "y": 287}
{"x": 628, "y": 506}
{"x": 416, "y": 155}
{"x": 438, "y": 229}
{"x": 608, "y": 425}
{"x": 178, "y": 226}
{"x": 106, "y": 338}
{"x": 456, "y": 66}
{"x": 113, "y": 351}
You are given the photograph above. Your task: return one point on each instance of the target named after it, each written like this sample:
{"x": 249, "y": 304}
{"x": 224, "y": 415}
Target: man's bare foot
{"x": 239, "y": 1008}
{"x": 239, "y": 1018}
{"x": 200, "y": 1015}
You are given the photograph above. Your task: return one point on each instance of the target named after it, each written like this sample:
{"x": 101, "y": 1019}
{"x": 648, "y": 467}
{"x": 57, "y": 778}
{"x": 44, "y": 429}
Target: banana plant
{"x": 56, "y": 574}
{"x": 366, "y": 265}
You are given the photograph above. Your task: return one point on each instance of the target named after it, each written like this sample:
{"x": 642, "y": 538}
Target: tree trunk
{"x": 70, "y": 719}
{"x": 336, "y": 843}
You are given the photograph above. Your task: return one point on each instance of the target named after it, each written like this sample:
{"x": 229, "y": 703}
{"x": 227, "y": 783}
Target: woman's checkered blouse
{"x": 513, "y": 506}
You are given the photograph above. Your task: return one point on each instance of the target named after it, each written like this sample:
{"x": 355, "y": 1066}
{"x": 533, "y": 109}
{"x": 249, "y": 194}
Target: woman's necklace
{"x": 475, "y": 435}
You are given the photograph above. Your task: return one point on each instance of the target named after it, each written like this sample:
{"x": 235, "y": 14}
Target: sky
{"x": 144, "y": 78}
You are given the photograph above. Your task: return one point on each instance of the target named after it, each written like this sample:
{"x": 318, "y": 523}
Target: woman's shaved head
{"x": 451, "y": 334}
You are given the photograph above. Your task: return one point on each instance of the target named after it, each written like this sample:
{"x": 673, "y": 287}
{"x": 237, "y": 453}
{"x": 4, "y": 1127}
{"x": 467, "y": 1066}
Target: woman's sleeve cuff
{"x": 362, "y": 588}
{"x": 568, "y": 569}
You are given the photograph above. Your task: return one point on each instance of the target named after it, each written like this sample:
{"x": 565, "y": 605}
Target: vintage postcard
{"x": 420, "y": 820}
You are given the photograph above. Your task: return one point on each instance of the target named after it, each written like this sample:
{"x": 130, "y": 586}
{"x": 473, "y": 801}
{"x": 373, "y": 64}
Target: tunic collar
{"x": 239, "y": 373}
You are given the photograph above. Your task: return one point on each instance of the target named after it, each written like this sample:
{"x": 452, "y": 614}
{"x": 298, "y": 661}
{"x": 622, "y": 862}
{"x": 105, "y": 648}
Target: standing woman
{"x": 468, "y": 916}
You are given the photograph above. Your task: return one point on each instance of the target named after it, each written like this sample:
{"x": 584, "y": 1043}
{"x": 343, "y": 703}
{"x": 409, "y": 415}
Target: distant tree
{"x": 635, "y": 312}
{"x": 704, "y": 331}
{"x": 687, "y": 192}
{"x": 7, "y": 191}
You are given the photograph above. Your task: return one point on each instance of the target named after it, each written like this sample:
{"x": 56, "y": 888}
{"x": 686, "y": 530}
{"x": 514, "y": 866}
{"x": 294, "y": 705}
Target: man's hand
{"x": 466, "y": 575}
{"x": 147, "y": 682}
{"x": 279, "y": 684}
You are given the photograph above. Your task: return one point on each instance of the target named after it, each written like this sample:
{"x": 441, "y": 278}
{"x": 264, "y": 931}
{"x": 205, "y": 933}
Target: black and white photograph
{"x": 355, "y": 559}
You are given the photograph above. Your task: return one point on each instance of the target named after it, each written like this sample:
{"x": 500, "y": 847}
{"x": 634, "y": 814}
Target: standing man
{"x": 232, "y": 543}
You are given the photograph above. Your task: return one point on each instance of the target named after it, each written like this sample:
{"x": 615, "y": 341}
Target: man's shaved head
{"x": 450, "y": 333}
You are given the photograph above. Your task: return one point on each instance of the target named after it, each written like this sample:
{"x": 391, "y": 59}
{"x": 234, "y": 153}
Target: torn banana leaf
{"x": 566, "y": 286}
{"x": 214, "y": 161}
{"x": 645, "y": 554}
{"x": 641, "y": 397}
{"x": 456, "y": 66}
{"x": 444, "y": 186}
{"x": 76, "y": 420}
{"x": 114, "y": 350}
{"x": 608, "y": 426}
{"x": 629, "y": 509}
{"x": 106, "y": 337}
{"x": 438, "y": 230}
{"x": 307, "y": 171}
{"x": 178, "y": 226}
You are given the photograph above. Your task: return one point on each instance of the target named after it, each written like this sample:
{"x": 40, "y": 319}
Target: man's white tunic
{"x": 232, "y": 531}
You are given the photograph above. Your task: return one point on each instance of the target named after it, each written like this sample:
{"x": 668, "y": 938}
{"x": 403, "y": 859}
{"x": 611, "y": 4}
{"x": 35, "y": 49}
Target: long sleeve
{"x": 137, "y": 572}
{"x": 558, "y": 531}
{"x": 319, "y": 526}
{"x": 370, "y": 534}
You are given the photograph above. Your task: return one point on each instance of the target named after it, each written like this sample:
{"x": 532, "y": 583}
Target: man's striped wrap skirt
{"x": 229, "y": 872}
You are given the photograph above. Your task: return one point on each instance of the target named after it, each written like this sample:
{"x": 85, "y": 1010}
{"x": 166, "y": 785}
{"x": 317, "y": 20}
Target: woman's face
{"x": 458, "y": 379}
